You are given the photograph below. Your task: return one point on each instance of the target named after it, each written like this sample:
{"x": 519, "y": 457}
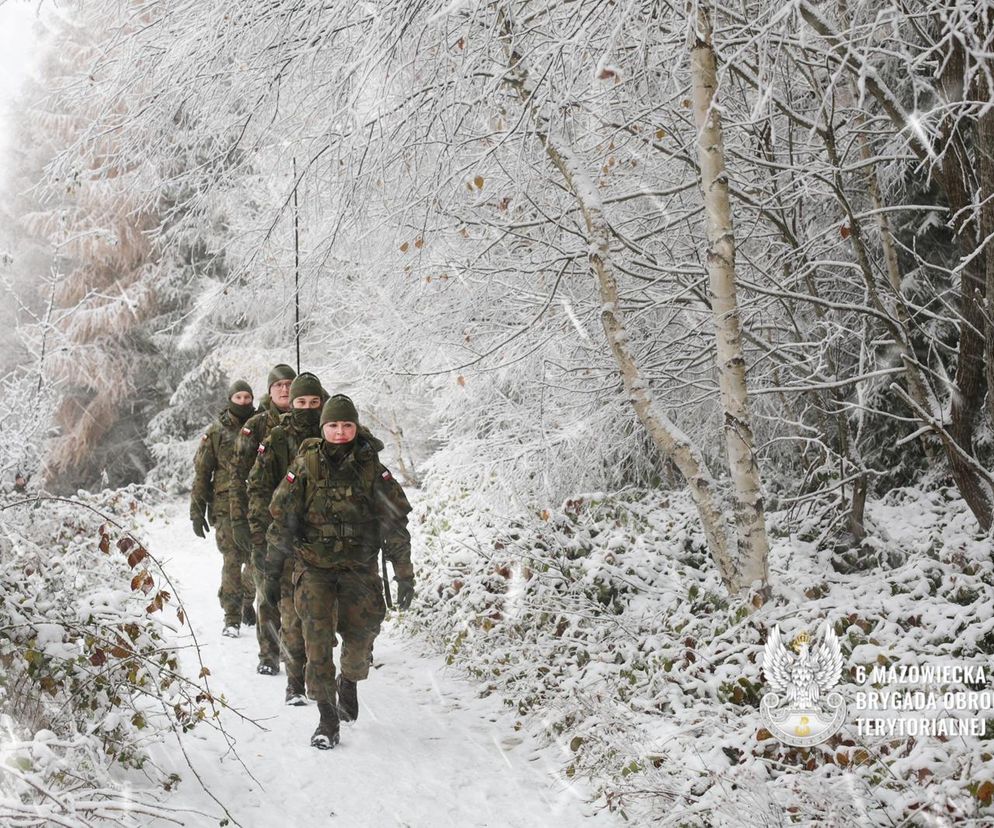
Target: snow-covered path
{"x": 426, "y": 751}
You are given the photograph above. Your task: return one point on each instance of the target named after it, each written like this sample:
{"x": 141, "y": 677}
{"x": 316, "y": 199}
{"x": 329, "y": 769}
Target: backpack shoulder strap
{"x": 369, "y": 470}
{"x": 309, "y": 454}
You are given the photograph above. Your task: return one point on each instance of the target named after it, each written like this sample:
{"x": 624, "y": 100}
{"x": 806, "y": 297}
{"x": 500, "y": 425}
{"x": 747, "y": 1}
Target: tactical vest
{"x": 340, "y": 526}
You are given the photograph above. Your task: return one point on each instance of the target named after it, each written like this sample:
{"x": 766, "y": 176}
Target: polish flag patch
{"x": 247, "y": 431}
{"x": 261, "y": 449}
{"x": 204, "y": 438}
{"x": 386, "y": 475}
{"x": 290, "y": 476}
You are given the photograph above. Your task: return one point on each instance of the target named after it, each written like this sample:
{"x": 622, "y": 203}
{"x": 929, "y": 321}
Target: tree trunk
{"x": 750, "y": 518}
{"x": 668, "y": 439}
{"x": 856, "y": 525}
{"x": 970, "y": 387}
{"x": 918, "y": 387}
{"x": 985, "y": 163}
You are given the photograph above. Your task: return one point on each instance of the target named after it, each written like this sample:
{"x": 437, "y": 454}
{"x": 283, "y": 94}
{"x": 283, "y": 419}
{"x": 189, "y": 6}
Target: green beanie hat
{"x": 339, "y": 409}
{"x": 306, "y": 385}
{"x": 280, "y": 372}
{"x": 239, "y": 385}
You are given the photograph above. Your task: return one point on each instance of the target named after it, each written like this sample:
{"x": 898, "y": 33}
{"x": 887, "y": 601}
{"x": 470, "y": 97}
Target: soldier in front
{"x": 334, "y": 510}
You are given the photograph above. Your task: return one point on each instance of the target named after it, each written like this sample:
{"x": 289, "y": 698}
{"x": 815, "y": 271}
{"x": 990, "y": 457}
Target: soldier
{"x": 272, "y": 406}
{"x": 333, "y": 511}
{"x": 273, "y": 459}
{"x": 209, "y": 502}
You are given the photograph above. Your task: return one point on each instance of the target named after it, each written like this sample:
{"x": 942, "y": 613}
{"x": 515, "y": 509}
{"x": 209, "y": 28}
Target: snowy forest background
{"x": 504, "y": 258}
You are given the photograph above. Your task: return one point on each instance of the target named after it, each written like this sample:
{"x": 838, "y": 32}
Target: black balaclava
{"x": 240, "y": 412}
{"x": 306, "y": 419}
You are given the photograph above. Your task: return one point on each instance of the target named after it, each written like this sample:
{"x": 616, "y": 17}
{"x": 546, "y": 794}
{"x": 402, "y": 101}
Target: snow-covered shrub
{"x": 88, "y": 678}
{"x": 603, "y": 624}
{"x": 25, "y": 418}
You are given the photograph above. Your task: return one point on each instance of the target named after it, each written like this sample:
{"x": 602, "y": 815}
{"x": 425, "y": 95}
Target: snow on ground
{"x": 425, "y": 751}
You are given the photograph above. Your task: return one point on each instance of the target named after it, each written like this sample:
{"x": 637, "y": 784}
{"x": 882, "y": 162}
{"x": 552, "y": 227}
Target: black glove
{"x": 271, "y": 590}
{"x": 405, "y": 592}
{"x": 242, "y": 536}
{"x": 200, "y": 527}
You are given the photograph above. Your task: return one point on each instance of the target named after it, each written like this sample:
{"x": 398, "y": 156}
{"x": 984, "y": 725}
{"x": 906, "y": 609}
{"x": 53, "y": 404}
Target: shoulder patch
{"x": 386, "y": 475}
{"x": 261, "y": 449}
{"x": 247, "y": 431}
{"x": 204, "y": 437}
{"x": 290, "y": 476}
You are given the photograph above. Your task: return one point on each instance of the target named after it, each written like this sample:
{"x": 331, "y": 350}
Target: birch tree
{"x": 672, "y": 443}
{"x": 750, "y": 517}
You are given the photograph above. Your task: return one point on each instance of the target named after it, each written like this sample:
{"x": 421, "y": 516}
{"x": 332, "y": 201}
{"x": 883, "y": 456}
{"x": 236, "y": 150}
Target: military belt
{"x": 341, "y": 531}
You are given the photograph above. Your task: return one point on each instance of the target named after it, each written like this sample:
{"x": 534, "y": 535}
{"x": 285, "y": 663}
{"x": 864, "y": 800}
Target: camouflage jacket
{"x": 243, "y": 456}
{"x": 338, "y": 513}
{"x": 272, "y": 460}
{"x": 211, "y": 464}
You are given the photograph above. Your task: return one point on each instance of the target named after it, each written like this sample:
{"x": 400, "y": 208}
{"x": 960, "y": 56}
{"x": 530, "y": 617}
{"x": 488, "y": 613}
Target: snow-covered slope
{"x": 426, "y": 751}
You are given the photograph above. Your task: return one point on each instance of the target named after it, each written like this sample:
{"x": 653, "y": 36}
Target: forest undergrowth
{"x": 604, "y": 625}
{"x": 90, "y": 676}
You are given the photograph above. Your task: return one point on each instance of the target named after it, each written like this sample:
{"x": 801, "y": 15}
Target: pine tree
{"x": 127, "y": 261}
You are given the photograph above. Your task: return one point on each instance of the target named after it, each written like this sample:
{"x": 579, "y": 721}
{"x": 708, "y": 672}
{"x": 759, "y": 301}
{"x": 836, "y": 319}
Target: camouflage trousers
{"x": 237, "y": 587}
{"x": 279, "y": 632}
{"x": 329, "y": 602}
{"x": 267, "y": 631}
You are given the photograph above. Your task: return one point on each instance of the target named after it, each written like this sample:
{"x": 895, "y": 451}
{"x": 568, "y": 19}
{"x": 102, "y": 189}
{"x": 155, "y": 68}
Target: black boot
{"x": 348, "y": 700}
{"x": 326, "y": 735}
{"x": 295, "y": 695}
{"x": 248, "y": 615}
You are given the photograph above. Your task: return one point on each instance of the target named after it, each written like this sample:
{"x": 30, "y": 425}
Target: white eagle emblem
{"x": 799, "y": 710}
{"x": 804, "y": 677}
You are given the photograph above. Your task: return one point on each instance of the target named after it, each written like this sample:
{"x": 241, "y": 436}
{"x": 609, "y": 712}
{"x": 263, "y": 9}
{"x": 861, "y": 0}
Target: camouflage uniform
{"x": 210, "y": 498}
{"x": 332, "y": 514}
{"x": 243, "y": 456}
{"x": 272, "y": 461}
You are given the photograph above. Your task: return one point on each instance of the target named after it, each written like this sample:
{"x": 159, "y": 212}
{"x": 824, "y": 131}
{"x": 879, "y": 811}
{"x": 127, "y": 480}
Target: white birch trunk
{"x": 669, "y": 439}
{"x": 750, "y": 519}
